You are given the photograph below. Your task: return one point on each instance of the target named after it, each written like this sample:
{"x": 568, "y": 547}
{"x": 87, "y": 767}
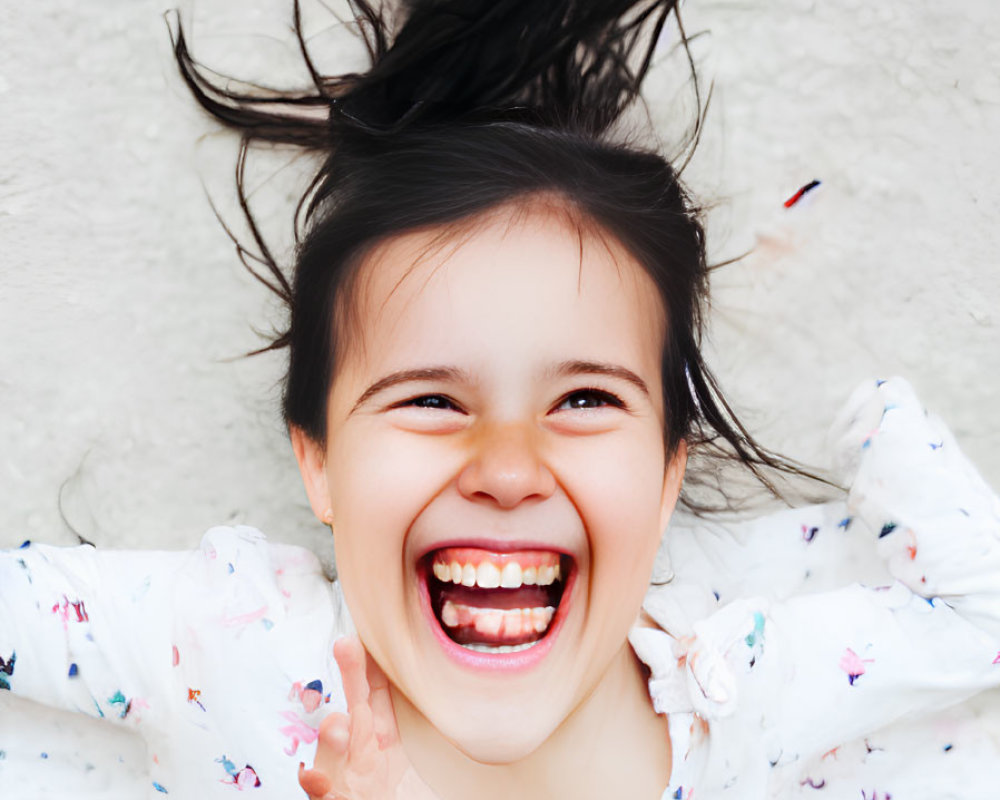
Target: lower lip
{"x": 497, "y": 662}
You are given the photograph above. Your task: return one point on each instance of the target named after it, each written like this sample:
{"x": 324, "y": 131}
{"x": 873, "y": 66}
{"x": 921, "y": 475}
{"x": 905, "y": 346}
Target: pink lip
{"x": 497, "y": 662}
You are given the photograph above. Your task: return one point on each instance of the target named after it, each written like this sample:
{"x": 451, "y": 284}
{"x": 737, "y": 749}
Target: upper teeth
{"x": 489, "y": 576}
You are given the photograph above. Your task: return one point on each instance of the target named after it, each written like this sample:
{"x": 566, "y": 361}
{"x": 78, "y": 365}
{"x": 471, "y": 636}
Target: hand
{"x": 359, "y": 755}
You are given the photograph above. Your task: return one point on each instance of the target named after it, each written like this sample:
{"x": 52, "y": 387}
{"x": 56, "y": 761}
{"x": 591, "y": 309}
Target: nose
{"x": 506, "y": 469}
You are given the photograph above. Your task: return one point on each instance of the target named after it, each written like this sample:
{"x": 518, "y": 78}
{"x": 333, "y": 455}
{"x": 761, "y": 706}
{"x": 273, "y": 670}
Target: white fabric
{"x": 830, "y": 649}
{"x": 203, "y": 654}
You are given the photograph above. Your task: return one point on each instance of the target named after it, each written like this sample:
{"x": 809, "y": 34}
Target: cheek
{"x": 618, "y": 492}
{"x": 379, "y": 483}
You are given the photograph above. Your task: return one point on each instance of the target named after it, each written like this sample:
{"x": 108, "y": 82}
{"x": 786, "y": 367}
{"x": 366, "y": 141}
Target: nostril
{"x": 506, "y": 476}
{"x": 512, "y": 492}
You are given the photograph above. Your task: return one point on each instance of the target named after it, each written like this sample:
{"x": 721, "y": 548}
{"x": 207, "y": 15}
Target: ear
{"x": 312, "y": 464}
{"x": 672, "y": 480}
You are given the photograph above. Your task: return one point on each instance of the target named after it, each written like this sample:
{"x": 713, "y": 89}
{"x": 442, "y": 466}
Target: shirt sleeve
{"x": 83, "y": 629}
{"x": 219, "y": 659}
{"x": 936, "y": 520}
{"x": 782, "y": 679}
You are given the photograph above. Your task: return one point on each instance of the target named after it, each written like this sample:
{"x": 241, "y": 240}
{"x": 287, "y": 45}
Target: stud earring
{"x": 328, "y": 517}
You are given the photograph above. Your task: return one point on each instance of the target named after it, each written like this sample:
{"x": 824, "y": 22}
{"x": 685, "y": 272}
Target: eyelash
{"x": 606, "y": 398}
{"x": 447, "y": 404}
{"x": 416, "y": 402}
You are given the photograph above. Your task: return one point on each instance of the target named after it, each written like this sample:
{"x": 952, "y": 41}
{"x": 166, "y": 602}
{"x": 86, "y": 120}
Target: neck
{"x": 614, "y": 731}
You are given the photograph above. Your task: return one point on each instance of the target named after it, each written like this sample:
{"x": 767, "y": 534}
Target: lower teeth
{"x": 503, "y": 648}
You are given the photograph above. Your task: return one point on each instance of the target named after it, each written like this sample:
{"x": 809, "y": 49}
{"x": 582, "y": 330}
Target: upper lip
{"x": 495, "y": 546}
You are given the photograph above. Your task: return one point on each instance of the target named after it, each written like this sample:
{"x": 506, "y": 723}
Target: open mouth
{"x": 494, "y": 602}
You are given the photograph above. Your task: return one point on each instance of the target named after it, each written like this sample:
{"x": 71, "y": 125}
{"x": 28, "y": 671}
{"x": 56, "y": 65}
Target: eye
{"x": 428, "y": 414}
{"x": 438, "y": 402}
{"x": 589, "y": 398}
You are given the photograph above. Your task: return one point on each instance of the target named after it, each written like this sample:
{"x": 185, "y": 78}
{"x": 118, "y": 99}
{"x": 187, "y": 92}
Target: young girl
{"x": 494, "y": 387}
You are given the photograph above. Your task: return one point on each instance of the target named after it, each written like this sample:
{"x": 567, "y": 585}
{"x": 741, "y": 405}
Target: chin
{"x": 499, "y": 744}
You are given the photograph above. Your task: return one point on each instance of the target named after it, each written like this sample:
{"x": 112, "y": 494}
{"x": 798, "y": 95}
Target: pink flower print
{"x": 71, "y": 610}
{"x": 244, "y": 619}
{"x": 853, "y": 665}
{"x": 247, "y": 778}
{"x": 310, "y": 695}
{"x": 242, "y": 778}
{"x": 298, "y": 731}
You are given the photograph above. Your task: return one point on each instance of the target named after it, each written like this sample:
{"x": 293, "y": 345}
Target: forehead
{"x": 532, "y": 276}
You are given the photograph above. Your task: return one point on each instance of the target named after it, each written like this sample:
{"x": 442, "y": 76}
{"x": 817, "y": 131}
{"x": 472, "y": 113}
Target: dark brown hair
{"x": 474, "y": 104}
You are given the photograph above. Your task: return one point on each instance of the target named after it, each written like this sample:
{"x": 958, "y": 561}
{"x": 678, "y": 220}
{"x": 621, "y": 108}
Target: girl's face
{"x": 496, "y": 471}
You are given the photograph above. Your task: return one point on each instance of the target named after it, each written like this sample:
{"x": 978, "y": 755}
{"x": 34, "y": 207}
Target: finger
{"x": 380, "y": 700}
{"x": 313, "y": 782}
{"x": 331, "y": 752}
{"x": 362, "y": 748}
{"x": 350, "y": 656}
{"x": 327, "y": 778}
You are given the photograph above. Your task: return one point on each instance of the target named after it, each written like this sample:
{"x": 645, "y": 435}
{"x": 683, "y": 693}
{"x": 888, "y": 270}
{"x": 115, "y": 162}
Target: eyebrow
{"x": 568, "y": 368}
{"x": 456, "y": 375}
{"x": 449, "y": 374}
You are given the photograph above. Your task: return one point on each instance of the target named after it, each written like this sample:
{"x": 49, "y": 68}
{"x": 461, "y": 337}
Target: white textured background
{"x": 123, "y": 309}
